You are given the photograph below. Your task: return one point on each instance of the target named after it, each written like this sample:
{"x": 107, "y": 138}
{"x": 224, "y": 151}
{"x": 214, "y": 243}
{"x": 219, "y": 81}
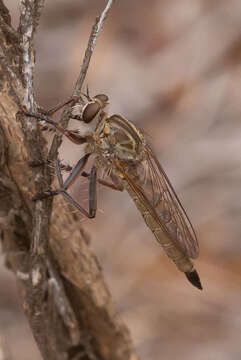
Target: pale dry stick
{"x": 30, "y": 11}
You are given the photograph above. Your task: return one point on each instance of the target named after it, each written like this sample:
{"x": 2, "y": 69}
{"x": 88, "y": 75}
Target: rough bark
{"x": 64, "y": 295}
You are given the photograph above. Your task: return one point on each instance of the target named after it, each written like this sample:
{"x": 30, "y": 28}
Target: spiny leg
{"x": 37, "y": 163}
{"x": 59, "y": 106}
{"x": 70, "y": 134}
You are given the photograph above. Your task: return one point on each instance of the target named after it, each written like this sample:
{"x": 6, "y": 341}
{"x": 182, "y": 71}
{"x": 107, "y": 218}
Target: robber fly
{"x": 121, "y": 151}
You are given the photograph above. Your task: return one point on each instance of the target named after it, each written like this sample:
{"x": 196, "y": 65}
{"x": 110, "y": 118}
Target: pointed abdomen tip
{"x": 194, "y": 279}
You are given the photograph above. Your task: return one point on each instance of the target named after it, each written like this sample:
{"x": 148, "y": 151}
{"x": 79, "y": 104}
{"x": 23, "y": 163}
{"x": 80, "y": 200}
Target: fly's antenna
{"x": 87, "y": 94}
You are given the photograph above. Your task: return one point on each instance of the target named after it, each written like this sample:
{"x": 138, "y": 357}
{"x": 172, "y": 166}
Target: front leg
{"x": 73, "y": 100}
{"x": 72, "y": 135}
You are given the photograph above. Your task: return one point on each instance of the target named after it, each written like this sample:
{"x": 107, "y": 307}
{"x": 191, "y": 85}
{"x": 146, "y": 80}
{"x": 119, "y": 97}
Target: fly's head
{"x": 93, "y": 107}
{"x": 89, "y": 113}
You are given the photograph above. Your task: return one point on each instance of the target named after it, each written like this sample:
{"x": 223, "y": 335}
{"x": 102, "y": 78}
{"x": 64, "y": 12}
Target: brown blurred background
{"x": 174, "y": 68}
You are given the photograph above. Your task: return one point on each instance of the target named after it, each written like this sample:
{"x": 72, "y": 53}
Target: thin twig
{"x": 90, "y": 47}
{"x": 30, "y": 11}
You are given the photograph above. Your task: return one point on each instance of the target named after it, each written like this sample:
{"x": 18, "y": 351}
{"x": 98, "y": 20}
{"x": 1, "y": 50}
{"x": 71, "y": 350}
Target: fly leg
{"x": 69, "y": 181}
{"x": 92, "y": 189}
{"x": 56, "y": 108}
{"x": 116, "y": 185}
{"x": 72, "y": 135}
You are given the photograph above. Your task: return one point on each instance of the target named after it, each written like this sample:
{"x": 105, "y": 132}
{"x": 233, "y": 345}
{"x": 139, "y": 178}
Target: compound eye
{"x": 90, "y": 111}
{"x": 103, "y": 98}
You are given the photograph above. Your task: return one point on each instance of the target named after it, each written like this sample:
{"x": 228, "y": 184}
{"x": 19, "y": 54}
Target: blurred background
{"x": 173, "y": 68}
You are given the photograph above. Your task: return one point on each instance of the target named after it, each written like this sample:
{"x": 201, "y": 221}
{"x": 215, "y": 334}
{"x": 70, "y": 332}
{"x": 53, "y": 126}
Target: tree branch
{"x": 65, "y": 298}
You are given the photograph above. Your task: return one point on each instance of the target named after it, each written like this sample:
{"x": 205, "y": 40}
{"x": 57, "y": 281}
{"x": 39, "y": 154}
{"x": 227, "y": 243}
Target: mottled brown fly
{"x": 123, "y": 156}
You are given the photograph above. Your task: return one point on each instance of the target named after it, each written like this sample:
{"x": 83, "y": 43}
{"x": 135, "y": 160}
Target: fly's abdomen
{"x": 182, "y": 262}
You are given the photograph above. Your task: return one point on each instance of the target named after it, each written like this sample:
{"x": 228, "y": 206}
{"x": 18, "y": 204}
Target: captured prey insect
{"x": 122, "y": 152}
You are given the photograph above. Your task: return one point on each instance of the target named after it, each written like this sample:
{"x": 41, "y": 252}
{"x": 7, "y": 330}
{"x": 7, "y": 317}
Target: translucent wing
{"x": 152, "y": 187}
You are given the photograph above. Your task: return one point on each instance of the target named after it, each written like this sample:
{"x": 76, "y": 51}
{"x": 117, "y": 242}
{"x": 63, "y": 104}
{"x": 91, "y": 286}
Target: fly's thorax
{"x": 119, "y": 139}
{"x": 90, "y": 147}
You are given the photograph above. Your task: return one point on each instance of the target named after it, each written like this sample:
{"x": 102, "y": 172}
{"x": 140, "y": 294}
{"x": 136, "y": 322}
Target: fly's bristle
{"x": 194, "y": 279}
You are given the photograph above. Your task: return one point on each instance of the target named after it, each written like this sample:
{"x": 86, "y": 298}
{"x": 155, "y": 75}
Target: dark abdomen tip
{"x": 194, "y": 279}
